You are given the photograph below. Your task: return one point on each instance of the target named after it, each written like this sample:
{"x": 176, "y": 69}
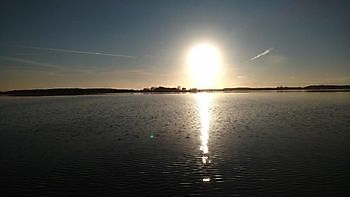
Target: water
{"x": 176, "y": 144}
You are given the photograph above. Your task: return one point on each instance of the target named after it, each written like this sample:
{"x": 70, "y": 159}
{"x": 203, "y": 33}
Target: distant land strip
{"x": 160, "y": 89}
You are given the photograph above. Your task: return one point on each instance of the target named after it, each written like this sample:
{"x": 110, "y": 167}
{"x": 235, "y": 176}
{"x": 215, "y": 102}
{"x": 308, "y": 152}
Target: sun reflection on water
{"x": 206, "y": 179}
{"x": 204, "y": 100}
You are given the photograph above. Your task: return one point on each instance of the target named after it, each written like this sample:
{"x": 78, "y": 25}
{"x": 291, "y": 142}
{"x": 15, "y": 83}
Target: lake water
{"x": 215, "y": 144}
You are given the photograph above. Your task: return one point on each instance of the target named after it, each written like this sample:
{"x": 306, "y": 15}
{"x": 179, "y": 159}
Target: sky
{"x": 137, "y": 44}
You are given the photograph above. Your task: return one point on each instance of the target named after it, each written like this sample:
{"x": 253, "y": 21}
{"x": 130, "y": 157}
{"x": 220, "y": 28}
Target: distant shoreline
{"x": 97, "y": 91}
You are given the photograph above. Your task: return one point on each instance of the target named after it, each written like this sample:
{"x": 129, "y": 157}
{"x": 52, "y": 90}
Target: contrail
{"x": 80, "y": 52}
{"x": 31, "y": 62}
{"x": 267, "y": 51}
{"x": 54, "y": 67}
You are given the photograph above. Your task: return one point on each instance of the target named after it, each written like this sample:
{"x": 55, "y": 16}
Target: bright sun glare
{"x": 204, "y": 63}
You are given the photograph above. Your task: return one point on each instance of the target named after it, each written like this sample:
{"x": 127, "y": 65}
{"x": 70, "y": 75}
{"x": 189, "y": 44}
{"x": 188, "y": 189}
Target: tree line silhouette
{"x": 161, "y": 89}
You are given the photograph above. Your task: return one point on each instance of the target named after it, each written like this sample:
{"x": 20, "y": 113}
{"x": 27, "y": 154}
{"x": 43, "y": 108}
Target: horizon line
{"x": 177, "y": 87}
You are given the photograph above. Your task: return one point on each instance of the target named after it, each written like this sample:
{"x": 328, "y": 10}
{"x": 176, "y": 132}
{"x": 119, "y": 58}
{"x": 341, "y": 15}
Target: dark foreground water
{"x": 181, "y": 144}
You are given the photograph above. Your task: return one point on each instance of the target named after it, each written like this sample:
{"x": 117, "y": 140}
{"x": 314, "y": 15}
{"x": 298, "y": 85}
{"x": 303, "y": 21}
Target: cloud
{"x": 31, "y": 62}
{"x": 52, "y": 67}
{"x": 267, "y": 51}
{"x": 80, "y": 52}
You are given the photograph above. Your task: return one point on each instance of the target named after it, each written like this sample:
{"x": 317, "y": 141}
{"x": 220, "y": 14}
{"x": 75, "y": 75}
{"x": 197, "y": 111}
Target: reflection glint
{"x": 203, "y": 104}
{"x": 204, "y": 100}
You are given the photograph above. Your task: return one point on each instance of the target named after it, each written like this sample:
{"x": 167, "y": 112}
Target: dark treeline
{"x": 93, "y": 91}
{"x": 65, "y": 91}
{"x": 306, "y": 88}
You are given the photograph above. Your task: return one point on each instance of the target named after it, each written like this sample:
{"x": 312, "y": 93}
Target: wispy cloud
{"x": 31, "y": 62}
{"x": 80, "y": 52}
{"x": 267, "y": 51}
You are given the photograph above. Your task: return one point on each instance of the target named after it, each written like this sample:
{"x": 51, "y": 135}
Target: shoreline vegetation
{"x": 160, "y": 89}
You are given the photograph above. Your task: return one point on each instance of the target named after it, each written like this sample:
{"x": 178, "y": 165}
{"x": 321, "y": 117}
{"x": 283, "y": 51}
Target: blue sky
{"x": 135, "y": 44}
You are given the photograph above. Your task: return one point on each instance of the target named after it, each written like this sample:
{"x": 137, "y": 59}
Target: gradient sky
{"x": 136, "y": 44}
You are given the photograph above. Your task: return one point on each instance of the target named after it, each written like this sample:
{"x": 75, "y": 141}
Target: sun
{"x": 204, "y": 64}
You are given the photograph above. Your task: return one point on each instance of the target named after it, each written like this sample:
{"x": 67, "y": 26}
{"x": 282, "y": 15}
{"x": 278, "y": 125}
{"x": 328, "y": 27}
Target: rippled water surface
{"x": 176, "y": 144}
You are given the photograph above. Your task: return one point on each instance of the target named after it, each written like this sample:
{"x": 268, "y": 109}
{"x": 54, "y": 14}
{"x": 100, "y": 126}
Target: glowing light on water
{"x": 203, "y": 101}
{"x": 203, "y": 104}
{"x": 206, "y": 179}
{"x": 204, "y": 159}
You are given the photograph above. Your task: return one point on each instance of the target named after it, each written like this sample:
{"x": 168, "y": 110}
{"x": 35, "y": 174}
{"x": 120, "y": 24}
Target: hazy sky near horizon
{"x": 136, "y": 44}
